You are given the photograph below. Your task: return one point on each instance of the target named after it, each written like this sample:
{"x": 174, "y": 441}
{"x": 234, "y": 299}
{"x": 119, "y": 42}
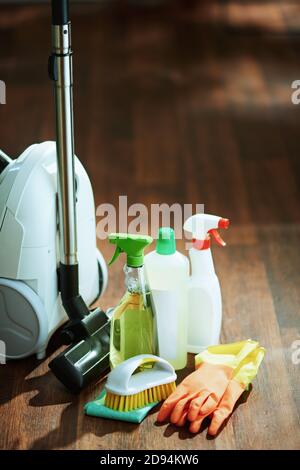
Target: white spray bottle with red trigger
{"x": 205, "y": 303}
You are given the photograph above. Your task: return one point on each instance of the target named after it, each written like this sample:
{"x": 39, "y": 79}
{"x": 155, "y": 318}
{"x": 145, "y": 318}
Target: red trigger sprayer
{"x": 205, "y": 304}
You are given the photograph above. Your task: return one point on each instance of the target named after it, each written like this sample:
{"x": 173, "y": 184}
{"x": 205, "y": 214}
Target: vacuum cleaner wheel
{"x": 23, "y": 320}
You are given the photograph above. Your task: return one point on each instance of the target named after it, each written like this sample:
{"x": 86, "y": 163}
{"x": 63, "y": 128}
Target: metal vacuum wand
{"x": 63, "y": 79}
{"x": 60, "y": 71}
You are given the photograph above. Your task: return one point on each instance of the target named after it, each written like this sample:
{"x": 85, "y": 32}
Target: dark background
{"x": 182, "y": 101}
{"x": 175, "y": 101}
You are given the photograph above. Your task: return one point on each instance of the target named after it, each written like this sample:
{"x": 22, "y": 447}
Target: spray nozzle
{"x": 203, "y": 226}
{"x": 223, "y": 223}
{"x": 132, "y": 245}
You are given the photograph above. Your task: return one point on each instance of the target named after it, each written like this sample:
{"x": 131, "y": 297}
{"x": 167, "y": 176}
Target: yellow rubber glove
{"x": 201, "y": 391}
{"x": 243, "y": 376}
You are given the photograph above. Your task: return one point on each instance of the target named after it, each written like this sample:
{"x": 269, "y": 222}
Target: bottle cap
{"x": 166, "y": 243}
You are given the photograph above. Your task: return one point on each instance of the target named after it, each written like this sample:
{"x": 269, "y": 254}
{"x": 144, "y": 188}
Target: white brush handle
{"x": 119, "y": 380}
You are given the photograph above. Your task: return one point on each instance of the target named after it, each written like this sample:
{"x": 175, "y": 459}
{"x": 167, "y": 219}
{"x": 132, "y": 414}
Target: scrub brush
{"x": 127, "y": 391}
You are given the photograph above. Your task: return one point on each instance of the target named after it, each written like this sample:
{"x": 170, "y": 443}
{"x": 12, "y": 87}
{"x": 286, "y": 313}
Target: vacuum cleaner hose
{"x": 4, "y": 160}
{"x": 60, "y": 12}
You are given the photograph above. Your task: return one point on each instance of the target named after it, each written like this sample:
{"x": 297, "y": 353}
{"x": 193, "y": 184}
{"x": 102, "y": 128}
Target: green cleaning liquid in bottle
{"x": 132, "y": 324}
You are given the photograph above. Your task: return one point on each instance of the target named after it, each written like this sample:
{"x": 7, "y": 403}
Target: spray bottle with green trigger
{"x": 132, "y": 325}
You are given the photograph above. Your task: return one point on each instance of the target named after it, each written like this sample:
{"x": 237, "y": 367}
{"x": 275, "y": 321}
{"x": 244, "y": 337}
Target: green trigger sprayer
{"x": 132, "y": 245}
{"x": 132, "y": 326}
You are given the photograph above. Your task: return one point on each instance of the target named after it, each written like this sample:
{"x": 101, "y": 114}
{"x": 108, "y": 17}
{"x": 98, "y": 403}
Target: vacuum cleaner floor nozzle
{"x": 86, "y": 360}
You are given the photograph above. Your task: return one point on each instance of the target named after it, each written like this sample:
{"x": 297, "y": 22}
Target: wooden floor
{"x": 189, "y": 102}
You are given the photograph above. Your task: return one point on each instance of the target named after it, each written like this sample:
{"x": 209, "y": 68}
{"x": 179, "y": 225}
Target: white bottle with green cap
{"x": 167, "y": 272}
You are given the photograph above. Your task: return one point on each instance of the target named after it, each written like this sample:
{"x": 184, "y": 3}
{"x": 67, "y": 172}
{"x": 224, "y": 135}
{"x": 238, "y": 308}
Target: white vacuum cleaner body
{"x": 30, "y": 302}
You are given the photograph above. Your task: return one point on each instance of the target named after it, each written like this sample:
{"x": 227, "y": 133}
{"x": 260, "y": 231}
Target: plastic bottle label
{"x": 166, "y": 306}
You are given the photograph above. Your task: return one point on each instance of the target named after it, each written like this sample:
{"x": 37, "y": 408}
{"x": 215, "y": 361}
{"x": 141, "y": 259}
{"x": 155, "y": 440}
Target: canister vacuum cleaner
{"x": 50, "y": 267}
